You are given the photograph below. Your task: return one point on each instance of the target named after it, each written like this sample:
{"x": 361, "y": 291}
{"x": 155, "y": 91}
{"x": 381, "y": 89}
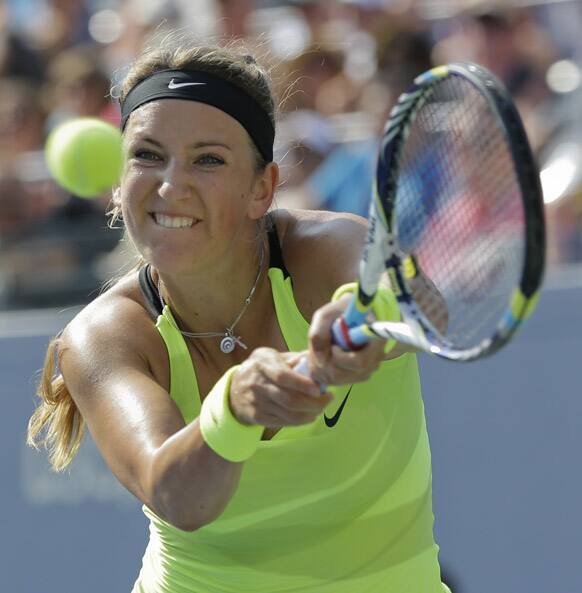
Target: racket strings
{"x": 459, "y": 211}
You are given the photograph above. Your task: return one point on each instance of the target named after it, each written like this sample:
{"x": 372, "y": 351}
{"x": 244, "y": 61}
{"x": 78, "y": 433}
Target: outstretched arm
{"x": 110, "y": 371}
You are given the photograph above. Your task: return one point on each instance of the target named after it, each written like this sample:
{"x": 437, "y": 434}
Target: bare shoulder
{"x": 114, "y": 329}
{"x": 116, "y": 370}
{"x": 321, "y": 250}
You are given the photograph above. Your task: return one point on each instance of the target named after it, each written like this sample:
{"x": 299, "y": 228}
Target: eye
{"x": 210, "y": 159}
{"x": 143, "y": 154}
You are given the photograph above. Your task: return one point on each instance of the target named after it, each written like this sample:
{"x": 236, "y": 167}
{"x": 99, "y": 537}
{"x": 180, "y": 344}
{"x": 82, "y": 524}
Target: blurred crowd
{"x": 337, "y": 67}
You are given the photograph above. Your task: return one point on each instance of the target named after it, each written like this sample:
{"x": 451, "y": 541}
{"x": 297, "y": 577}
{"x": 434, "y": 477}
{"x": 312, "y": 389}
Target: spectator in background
{"x": 78, "y": 86}
{"x": 23, "y": 176}
{"x": 319, "y": 15}
{"x": 358, "y": 56}
{"x": 306, "y": 134}
{"x": 311, "y": 71}
{"x": 509, "y": 43}
{"x": 52, "y": 244}
{"x": 18, "y": 207}
{"x": 343, "y": 180}
{"x": 59, "y": 25}
{"x": 51, "y": 240}
{"x": 233, "y": 16}
{"x": 17, "y": 58}
{"x": 402, "y": 54}
{"x": 22, "y": 120}
{"x": 139, "y": 22}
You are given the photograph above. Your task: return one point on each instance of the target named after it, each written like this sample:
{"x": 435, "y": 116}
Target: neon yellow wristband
{"x": 220, "y": 429}
{"x": 384, "y": 306}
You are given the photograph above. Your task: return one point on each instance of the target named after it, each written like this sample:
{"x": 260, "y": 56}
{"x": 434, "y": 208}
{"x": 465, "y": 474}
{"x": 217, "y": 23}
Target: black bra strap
{"x": 150, "y": 291}
{"x": 275, "y": 253}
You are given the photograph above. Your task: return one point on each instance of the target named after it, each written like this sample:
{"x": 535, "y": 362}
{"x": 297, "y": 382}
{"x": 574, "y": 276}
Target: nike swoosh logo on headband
{"x": 177, "y": 85}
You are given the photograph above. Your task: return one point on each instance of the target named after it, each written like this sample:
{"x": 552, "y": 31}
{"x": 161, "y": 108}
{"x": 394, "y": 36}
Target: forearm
{"x": 189, "y": 484}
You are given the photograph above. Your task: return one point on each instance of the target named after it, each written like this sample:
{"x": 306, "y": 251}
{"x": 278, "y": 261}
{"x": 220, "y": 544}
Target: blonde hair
{"x": 56, "y": 424}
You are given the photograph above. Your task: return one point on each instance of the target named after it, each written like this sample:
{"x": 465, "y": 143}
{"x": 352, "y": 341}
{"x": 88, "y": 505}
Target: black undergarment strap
{"x": 150, "y": 291}
{"x": 275, "y": 253}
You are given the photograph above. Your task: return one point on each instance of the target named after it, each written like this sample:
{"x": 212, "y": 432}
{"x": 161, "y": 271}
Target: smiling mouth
{"x": 173, "y": 222}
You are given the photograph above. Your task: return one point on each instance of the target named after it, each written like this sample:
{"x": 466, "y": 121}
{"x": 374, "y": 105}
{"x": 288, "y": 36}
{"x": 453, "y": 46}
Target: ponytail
{"x": 56, "y": 424}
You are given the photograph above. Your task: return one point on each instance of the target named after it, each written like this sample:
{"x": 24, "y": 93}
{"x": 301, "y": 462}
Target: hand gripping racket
{"x": 456, "y": 220}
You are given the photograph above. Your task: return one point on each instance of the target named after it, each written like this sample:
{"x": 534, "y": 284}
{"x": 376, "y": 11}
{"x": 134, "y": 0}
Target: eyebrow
{"x": 199, "y": 144}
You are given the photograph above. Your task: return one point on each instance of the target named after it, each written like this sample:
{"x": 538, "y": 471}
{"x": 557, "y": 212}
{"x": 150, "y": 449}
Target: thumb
{"x": 292, "y": 358}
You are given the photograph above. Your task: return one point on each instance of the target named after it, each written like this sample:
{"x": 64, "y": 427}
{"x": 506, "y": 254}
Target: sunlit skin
{"x": 190, "y": 163}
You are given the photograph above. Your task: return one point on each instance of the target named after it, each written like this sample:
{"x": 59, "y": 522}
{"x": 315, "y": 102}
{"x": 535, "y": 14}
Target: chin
{"x": 174, "y": 261}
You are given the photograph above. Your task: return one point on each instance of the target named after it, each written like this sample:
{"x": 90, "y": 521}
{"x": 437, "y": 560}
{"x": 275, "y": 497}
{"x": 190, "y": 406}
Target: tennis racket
{"x": 456, "y": 220}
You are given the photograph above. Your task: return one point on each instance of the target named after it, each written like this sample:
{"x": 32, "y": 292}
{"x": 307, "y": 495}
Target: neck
{"x": 222, "y": 301}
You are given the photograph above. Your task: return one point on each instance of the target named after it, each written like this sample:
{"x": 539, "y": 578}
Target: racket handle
{"x": 346, "y": 330}
{"x": 346, "y": 338}
{"x": 302, "y": 367}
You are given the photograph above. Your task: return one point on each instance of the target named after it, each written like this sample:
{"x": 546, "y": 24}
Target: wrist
{"x": 220, "y": 428}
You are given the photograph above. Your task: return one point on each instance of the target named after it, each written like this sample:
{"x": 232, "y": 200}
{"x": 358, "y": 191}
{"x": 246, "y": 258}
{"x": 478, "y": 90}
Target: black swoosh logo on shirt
{"x": 331, "y": 422}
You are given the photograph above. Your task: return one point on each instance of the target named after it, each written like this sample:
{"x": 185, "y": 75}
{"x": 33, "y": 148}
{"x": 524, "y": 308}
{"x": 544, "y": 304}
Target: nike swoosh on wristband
{"x": 331, "y": 422}
{"x": 177, "y": 85}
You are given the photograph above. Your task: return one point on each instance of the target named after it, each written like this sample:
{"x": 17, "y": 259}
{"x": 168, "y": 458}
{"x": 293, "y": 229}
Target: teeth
{"x": 173, "y": 222}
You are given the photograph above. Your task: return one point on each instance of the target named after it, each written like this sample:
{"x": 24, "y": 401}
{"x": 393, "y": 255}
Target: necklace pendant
{"x": 227, "y": 344}
{"x": 230, "y": 342}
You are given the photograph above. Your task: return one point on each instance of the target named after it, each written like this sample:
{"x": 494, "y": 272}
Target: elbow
{"x": 183, "y": 523}
{"x": 183, "y": 516}
{"x": 179, "y": 506}
{"x": 179, "y": 500}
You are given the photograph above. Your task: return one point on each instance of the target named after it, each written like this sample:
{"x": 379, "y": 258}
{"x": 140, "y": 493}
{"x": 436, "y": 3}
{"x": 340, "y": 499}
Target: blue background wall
{"x": 506, "y": 436}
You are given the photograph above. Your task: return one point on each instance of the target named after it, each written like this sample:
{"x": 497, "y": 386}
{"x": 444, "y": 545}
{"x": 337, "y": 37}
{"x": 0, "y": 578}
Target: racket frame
{"x": 382, "y": 253}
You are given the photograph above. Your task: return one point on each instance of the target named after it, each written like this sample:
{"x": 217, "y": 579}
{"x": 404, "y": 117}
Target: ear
{"x": 263, "y": 191}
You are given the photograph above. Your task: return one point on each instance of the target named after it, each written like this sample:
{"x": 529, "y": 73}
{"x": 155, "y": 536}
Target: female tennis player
{"x": 253, "y": 479}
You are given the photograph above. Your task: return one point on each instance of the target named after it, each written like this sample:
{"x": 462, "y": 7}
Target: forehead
{"x": 191, "y": 119}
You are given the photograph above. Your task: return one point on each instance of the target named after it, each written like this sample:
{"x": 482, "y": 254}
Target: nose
{"x": 174, "y": 183}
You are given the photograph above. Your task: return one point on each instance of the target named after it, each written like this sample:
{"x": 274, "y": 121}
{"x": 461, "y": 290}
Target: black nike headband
{"x": 205, "y": 88}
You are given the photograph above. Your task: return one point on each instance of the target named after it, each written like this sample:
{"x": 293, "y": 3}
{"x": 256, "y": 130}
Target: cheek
{"x": 130, "y": 200}
{"x": 133, "y": 185}
{"x": 228, "y": 197}
{"x": 127, "y": 214}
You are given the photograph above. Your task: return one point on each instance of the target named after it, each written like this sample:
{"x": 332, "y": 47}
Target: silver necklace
{"x": 229, "y": 340}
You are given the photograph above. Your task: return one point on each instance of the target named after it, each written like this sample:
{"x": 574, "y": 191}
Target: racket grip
{"x": 346, "y": 330}
{"x": 346, "y": 338}
{"x": 303, "y": 367}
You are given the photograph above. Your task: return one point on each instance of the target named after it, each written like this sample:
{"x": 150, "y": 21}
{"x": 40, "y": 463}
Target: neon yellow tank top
{"x": 319, "y": 509}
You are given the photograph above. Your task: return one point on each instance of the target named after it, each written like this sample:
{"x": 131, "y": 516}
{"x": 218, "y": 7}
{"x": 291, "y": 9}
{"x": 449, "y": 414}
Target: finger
{"x": 287, "y": 379}
{"x": 348, "y": 361}
{"x": 335, "y": 376}
{"x": 320, "y": 329}
{"x": 295, "y": 401}
{"x": 368, "y": 357}
{"x": 320, "y": 335}
{"x": 284, "y": 409}
{"x": 350, "y": 367}
{"x": 293, "y": 358}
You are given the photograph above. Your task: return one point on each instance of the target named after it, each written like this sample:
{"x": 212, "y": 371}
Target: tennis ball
{"x": 84, "y": 156}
